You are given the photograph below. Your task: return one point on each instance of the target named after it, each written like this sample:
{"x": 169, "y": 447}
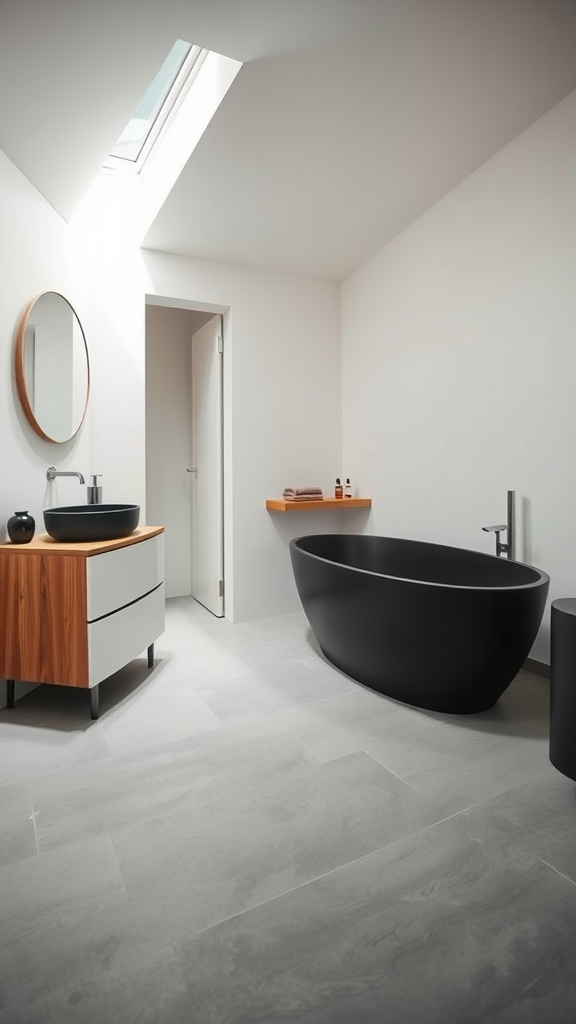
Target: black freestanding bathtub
{"x": 435, "y": 626}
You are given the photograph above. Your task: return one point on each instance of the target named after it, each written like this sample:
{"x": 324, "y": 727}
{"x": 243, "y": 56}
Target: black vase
{"x": 21, "y": 528}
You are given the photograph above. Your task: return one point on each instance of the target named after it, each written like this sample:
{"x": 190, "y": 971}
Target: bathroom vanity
{"x": 72, "y": 614}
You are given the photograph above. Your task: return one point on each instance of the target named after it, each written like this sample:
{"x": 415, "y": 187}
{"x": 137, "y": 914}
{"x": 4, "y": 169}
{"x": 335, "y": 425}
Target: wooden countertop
{"x": 46, "y": 545}
{"x": 279, "y": 505}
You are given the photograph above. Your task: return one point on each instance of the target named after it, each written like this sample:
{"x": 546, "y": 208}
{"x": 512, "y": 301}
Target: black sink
{"x": 91, "y": 522}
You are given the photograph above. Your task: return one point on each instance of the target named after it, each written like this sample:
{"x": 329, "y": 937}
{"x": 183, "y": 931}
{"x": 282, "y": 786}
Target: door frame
{"x": 227, "y": 432}
{"x": 214, "y": 358}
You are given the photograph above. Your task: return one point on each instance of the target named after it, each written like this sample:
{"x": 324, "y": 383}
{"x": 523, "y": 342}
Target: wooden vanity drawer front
{"x": 118, "y": 577}
{"x": 119, "y": 638}
{"x": 43, "y": 604}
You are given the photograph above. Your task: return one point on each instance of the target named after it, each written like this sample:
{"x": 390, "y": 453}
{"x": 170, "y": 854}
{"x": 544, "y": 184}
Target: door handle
{"x": 188, "y": 470}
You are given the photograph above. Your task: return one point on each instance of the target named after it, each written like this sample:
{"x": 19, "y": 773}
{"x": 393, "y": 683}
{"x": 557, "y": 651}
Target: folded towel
{"x": 303, "y": 497}
{"x": 302, "y": 491}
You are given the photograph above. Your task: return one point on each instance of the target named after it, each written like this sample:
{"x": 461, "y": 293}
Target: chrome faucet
{"x": 52, "y": 473}
{"x": 507, "y": 547}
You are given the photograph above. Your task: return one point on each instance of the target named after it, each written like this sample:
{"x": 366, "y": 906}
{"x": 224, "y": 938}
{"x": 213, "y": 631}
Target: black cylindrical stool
{"x": 562, "y": 750}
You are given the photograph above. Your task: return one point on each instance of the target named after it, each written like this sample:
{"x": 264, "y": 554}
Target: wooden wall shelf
{"x": 279, "y": 505}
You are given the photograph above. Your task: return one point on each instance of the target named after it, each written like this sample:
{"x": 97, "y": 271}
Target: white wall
{"x": 168, "y": 435}
{"x": 35, "y": 256}
{"x": 459, "y": 360}
{"x": 40, "y": 252}
{"x": 106, "y": 286}
{"x": 282, "y": 413}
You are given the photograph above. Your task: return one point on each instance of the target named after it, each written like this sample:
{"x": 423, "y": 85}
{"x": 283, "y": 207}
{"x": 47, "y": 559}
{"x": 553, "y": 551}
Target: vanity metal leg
{"x": 94, "y": 701}
{"x": 10, "y": 693}
{"x": 151, "y": 656}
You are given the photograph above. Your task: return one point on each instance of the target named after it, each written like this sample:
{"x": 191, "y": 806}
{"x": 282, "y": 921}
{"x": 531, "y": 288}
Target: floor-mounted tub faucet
{"x": 52, "y": 473}
{"x": 507, "y": 547}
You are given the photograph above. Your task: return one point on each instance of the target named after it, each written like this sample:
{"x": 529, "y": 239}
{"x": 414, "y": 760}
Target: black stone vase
{"x": 21, "y": 528}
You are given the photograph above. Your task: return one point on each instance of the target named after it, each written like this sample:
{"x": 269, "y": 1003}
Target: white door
{"x": 206, "y": 479}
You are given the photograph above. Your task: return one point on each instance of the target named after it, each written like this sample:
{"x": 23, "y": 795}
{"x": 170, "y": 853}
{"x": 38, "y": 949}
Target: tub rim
{"x": 542, "y": 580}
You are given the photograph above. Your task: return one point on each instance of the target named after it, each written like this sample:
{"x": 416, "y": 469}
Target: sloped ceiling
{"x": 347, "y": 121}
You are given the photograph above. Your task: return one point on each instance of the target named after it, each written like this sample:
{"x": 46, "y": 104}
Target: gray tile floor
{"x": 247, "y": 835}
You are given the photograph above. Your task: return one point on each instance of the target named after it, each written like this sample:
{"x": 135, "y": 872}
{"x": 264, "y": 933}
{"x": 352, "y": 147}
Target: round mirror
{"x": 52, "y": 367}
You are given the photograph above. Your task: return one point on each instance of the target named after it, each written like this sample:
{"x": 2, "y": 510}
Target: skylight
{"x": 154, "y": 108}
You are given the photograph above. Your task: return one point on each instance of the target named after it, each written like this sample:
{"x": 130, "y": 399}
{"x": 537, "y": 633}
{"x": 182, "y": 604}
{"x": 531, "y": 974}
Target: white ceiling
{"x": 348, "y": 120}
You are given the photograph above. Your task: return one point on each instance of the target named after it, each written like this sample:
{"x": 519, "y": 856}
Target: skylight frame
{"x": 174, "y": 97}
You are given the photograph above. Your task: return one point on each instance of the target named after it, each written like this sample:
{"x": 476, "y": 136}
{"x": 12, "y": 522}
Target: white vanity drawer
{"x": 115, "y": 578}
{"x": 119, "y": 638}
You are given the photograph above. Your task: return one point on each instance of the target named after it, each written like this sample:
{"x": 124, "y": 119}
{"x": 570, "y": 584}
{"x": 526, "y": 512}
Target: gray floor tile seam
{"x": 341, "y": 867}
{"x": 46, "y": 770}
{"x": 215, "y": 800}
{"x": 209, "y": 710}
{"x": 316, "y": 759}
{"x": 105, "y": 738}
{"x": 507, "y": 790}
{"x": 51, "y": 851}
{"x": 448, "y": 817}
{"x": 392, "y": 772}
{"x": 253, "y": 716}
{"x": 532, "y": 983}
{"x": 261, "y": 785}
{"x": 108, "y": 836}
{"x": 115, "y": 760}
{"x": 84, "y": 773}
{"x": 33, "y": 818}
{"x": 247, "y": 647}
{"x": 167, "y": 749}
{"x": 536, "y": 733}
{"x": 61, "y": 770}
{"x": 199, "y": 803}
{"x": 145, "y": 743}
{"x": 281, "y": 895}
{"x": 324, "y": 874}
{"x": 191, "y": 800}
{"x": 557, "y": 871}
{"x": 385, "y": 766}
{"x": 310, "y": 703}
{"x": 495, "y": 798}
{"x": 476, "y": 725}
{"x": 520, "y": 785}
{"x": 551, "y": 771}
{"x": 478, "y": 756}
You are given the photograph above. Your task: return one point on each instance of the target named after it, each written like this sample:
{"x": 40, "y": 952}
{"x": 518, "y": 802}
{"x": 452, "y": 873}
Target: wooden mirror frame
{"x": 20, "y": 375}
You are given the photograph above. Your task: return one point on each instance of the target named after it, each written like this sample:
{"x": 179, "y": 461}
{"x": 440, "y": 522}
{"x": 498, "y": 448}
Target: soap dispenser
{"x": 94, "y": 491}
